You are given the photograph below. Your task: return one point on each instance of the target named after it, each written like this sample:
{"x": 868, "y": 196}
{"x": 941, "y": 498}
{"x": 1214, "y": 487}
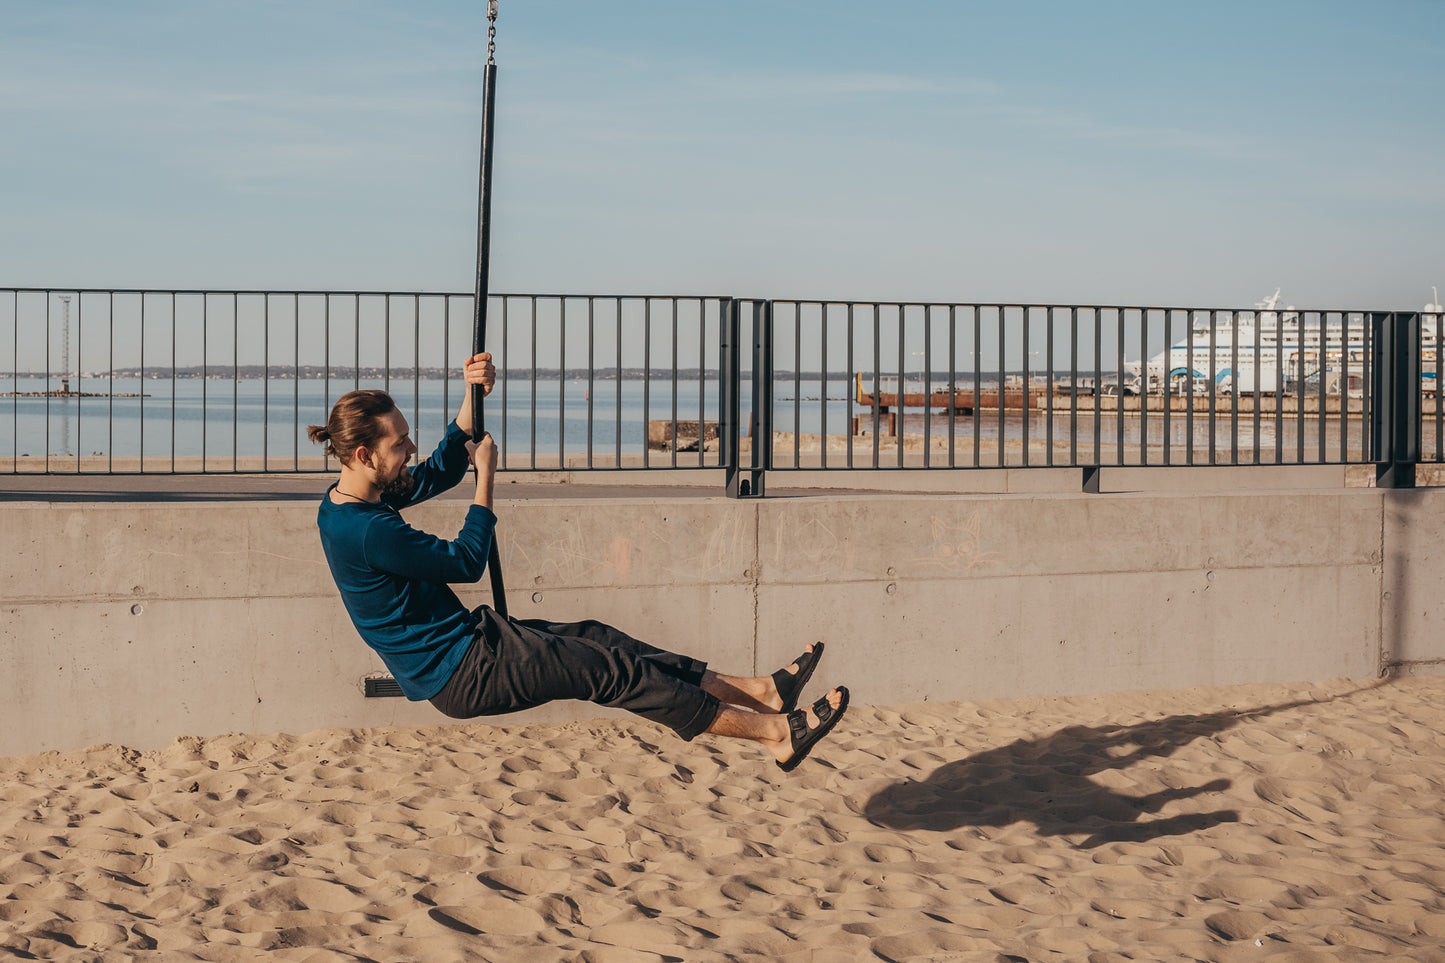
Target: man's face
{"x": 391, "y": 455}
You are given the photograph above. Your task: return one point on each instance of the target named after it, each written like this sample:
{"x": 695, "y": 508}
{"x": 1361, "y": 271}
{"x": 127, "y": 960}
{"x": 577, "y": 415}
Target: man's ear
{"x": 362, "y": 456}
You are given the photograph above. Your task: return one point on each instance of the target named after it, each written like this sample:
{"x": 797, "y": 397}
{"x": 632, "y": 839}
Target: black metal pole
{"x": 479, "y": 313}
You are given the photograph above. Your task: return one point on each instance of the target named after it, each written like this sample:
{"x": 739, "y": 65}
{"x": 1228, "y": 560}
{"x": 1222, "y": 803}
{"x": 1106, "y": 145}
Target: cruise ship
{"x": 1271, "y": 350}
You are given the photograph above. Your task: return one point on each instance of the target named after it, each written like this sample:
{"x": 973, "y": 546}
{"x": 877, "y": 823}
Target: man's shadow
{"x": 1046, "y": 781}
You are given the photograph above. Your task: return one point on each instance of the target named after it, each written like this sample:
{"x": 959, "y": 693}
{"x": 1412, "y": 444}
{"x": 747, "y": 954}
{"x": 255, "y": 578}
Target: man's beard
{"x": 400, "y": 486}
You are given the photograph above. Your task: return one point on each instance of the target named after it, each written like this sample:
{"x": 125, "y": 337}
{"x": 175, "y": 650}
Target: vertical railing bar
{"x": 1322, "y": 369}
{"x": 235, "y": 380}
{"x": 591, "y": 376}
{"x": 1367, "y": 374}
{"x": 502, "y": 374}
{"x": 797, "y": 384}
{"x": 977, "y": 418}
{"x": 823, "y": 421}
{"x": 673, "y": 300}
{"x": 174, "y": 381}
{"x": 928, "y": 386}
{"x": 141, "y": 341}
{"x": 1074, "y": 386}
{"x": 766, "y": 390}
{"x": 617, "y": 395}
{"x": 1279, "y": 392}
{"x": 1214, "y": 379}
{"x": 646, "y": 377}
{"x": 1258, "y": 391}
{"x": 266, "y": 379}
{"x": 1166, "y": 386}
{"x": 416, "y": 419}
{"x": 702, "y": 381}
{"x": 446, "y": 354}
{"x": 205, "y": 376}
{"x": 1189, "y": 385}
{"x": 295, "y": 381}
{"x": 1120, "y": 319}
{"x": 1049, "y": 386}
{"x": 901, "y": 420}
{"x": 1234, "y": 395}
{"x": 851, "y": 393}
{"x": 1299, "y": 412}
{"x": 326, "y": 372}
{"x": 1344, "y": 444}
{"x": 15, "y": 381}
{"x": 877, "y": 383}
{"x": 533, "y": 420}
{"x": 110, "y": 380}
{"x": 1344, "y": 387}
{"x": 1143, "y": 385}
{"x": 952, "y": 385}
{"x": 48, "y": 335}
{"x": 80, "y": 367}
{"x": 1002, "y": 383}
{"x": 1439, "y": 408}
{"x": 356, "y": 342}
{"x": 1026, "y": 359}
{"x": 385, "y": 337}
{"x": 562, "y": 384}
{"x": 1098, "y": 385}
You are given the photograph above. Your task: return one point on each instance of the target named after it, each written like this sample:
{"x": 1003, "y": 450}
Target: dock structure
{"x": 962, "y": 401}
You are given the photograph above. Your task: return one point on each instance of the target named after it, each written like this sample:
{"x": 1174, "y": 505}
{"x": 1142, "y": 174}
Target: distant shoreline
{"x": 320, "y": 373}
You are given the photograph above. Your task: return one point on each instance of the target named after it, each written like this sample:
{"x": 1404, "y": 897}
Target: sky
{"x": 1111, "y": 151}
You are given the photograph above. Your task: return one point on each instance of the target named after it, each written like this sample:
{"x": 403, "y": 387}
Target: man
{"x": 396, "y": 583}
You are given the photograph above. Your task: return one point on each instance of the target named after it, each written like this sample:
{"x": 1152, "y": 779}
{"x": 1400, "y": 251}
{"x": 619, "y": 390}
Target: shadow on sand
{"x": 1046, "y": 781}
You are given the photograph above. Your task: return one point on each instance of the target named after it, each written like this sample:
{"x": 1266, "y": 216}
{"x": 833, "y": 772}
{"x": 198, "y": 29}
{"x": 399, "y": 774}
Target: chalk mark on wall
{"x": 957, "y": 545}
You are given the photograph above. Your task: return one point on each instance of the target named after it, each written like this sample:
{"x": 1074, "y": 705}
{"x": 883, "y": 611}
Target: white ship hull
{"x": 1272, "y": 352}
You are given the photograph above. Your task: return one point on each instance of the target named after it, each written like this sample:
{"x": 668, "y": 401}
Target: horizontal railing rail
{"x": 207, "y": 381}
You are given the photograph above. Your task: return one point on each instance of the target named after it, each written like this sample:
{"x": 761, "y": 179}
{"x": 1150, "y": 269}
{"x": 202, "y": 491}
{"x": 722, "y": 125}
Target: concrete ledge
{"x": 137, "y": 623}
{"x": 1219, "y": 478}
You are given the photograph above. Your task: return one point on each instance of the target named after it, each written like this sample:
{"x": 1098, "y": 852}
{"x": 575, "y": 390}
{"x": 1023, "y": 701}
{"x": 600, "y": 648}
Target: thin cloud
{"x": 836, "y": 85}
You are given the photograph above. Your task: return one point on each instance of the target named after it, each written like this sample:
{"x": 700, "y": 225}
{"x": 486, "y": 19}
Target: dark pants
{"x": 516, "y": 664}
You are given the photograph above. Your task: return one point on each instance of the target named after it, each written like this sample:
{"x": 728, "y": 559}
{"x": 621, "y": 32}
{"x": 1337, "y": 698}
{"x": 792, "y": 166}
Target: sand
{"x": 1243, "y": 823}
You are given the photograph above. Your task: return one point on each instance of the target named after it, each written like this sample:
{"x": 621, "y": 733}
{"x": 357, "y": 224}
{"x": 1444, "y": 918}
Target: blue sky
{"x": 1112, "y": 151}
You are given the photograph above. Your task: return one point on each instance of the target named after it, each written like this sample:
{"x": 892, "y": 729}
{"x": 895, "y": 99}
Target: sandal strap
{"x": 823, "y": 710}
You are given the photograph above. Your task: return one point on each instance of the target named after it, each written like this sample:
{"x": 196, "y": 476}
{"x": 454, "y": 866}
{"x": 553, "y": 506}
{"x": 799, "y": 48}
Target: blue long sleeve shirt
{"x": 396, "y": 581}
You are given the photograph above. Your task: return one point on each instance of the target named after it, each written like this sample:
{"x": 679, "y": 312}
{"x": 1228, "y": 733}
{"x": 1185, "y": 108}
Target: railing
{"x": 919, "y": 385}
{"x": 114, "y": 381}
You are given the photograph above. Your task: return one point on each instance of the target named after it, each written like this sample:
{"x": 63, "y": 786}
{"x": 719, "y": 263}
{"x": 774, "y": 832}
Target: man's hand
{"x": 483, "y": 455}
{"x": 476, "y": 370}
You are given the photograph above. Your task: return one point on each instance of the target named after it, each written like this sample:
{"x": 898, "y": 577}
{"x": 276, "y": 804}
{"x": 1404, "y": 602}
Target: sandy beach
{"x": 1246, "y": 823}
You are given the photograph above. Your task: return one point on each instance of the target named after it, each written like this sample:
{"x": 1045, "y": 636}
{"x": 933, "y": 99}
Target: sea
{"x": 219, "y": 418}
{"x": 534, "y": 421}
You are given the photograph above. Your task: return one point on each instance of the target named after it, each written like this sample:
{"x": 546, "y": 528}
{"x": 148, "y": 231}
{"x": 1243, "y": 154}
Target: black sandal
{"x": 803, "y": 738}
{"x": 790, "y": 684}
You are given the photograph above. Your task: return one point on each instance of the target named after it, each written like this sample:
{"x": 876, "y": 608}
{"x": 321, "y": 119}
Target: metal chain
{"x": 491, "y": 31}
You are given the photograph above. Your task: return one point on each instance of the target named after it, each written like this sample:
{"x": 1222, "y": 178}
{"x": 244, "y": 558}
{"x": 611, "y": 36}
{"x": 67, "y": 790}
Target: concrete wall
{"x": 137, "y": 623}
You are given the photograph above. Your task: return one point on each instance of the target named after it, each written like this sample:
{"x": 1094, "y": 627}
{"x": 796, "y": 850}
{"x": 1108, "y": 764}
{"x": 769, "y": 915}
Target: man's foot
{"x": 788, "y": 682}
{"x": 807, "y": 727}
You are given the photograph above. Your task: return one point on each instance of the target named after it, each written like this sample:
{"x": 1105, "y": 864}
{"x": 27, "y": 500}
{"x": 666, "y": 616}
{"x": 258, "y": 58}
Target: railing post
{"x": 728, "y": 404}
{"x": 762, "y": 392}
{"x": 746, "y": 481}
{"x": 1395, "y": 385}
